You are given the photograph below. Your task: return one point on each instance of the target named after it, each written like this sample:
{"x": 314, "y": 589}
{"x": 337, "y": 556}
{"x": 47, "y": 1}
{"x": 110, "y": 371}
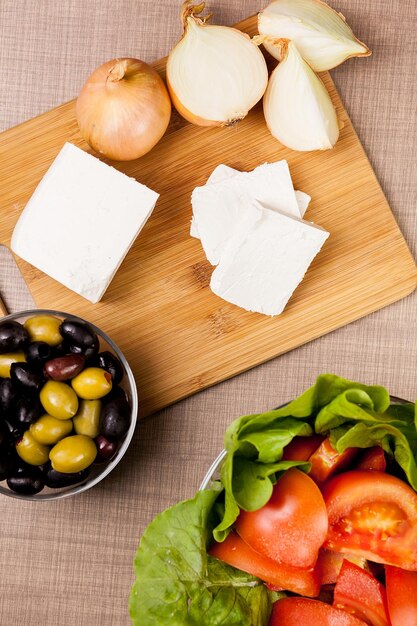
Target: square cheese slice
{"x": 217, "y": 206}
{"x": 81, "y": 221}
{"x": 264, "y": 263}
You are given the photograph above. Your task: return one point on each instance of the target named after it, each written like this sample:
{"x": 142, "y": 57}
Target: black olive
{"x": 23, "y": 375}
{"x": 38, "y": 352}
{"x": 7, "y": 395}
{"x": 13, "y": 336}
{"x": 78, "y": 333}
{"x": 109, "y": 362}
{"x": 89, "y": 352}
{"x": 55, "y": 479}
{"x": 115, "y": 418}
{"x": 27, "y": 411}
{"x": 27, "y": 485}
{"x": 14, "y": 431}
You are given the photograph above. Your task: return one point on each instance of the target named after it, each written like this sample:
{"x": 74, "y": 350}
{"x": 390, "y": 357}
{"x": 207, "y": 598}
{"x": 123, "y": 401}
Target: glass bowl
{"x": 128, "y": 384}
{"x": 213, "y": 472}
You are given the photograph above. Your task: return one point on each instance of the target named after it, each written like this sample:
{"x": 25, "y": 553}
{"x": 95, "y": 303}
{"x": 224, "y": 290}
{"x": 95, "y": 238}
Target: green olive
{"x": 92, "y": 383}
{"x": 59, "y": 400}
{"x": 49, "y": 430}
{"x": 73, "y": 454}
{"x": 7, "y": 359}
{"x": 44, "y": 328}
{"x": 87, "y": 420}
{"x": 31, "y": 451}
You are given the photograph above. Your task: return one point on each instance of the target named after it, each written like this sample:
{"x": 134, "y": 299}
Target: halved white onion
{"x": 215, "y": 74}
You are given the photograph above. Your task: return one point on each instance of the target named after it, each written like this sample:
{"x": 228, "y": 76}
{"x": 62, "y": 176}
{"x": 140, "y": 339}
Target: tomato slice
{"x": 372, "y": 459}
{"x": 234, "y": 551}
{"x": 301, "y": 448}
{"x": 360, "y": 593}
{"x": 402, "y": 596}
{"x": 292, "y": 526}
{"x": 304, "y": 612}
{"x": 374, "y": 515}
{"x": 330, "y": 564}
{"x": 326, "y": 461}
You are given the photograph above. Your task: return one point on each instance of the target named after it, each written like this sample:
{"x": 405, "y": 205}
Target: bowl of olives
{"x": 68, "y": 405}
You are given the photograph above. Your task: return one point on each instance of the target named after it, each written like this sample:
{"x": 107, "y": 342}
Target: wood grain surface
{"x": 177, "y": 335}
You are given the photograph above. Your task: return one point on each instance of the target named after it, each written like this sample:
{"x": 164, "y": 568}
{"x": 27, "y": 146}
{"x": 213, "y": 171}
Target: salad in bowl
{"x": 309, "y": 517}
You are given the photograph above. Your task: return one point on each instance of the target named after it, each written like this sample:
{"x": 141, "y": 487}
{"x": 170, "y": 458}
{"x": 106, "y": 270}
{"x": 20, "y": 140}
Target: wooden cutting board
{"x": 177, "y": 335}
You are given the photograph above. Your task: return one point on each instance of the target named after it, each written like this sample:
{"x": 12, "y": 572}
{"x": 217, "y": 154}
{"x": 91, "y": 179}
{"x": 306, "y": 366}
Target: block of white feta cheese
{"x": 263, "y": 264}
{"x": 218, "y": 207}
{"x": 225, "y": 171}
{"x": 81, "y": 221}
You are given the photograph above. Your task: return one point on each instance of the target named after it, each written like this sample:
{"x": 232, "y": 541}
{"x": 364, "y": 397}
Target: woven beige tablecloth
{"x": 69, "y": 563}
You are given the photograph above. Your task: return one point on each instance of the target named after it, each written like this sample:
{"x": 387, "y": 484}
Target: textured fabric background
{"x": 70, "y": 563}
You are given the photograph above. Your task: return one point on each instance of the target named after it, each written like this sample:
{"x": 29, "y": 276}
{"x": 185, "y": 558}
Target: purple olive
{"x": 115, "y": 418}
{"x": 105, "y": 449}
{"x": 13, "y": 337}
{"x": 64, "y": 367}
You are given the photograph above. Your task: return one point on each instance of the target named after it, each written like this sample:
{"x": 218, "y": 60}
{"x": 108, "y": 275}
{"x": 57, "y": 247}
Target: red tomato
{"x": 372, "y": 459}
{"x": 292, "y": 526}
{"x": 330, "y": 564}
{"x": 402, "y": 596}
{"x": 301, "y": 448}
{"x": 303, "y": 612}
{"x": 374, "y": 515}
{"x": 359, "y": 593}
{"x": 234, "y": 551}
{"x": 326, "y": 461}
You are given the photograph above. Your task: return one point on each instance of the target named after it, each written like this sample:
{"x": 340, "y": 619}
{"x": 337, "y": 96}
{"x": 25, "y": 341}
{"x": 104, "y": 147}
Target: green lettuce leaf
{"x": 255, "y": 443}
{"x": 178, "y": 584}
{"x": 398, "y": 442}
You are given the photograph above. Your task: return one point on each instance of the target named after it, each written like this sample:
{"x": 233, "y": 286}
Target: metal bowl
{"x": 213, "y": 472}
{"x": 99, "y": 470}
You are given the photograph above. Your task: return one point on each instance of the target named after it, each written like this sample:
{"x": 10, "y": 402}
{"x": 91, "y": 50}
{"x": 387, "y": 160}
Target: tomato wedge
{"x": 330, "y": 564}
{"x": 301, "y": 448}
{"x": 360, "y": 593}
{"x": 326, "y": 461}
{"x": 292, "y": 526}
{"x": 234, "y": 551}
{"x": 374, "y": 515}
{"x": 402, "y": 596}
{"x": 372, "y": 459}
{"x": 304, "y": 612}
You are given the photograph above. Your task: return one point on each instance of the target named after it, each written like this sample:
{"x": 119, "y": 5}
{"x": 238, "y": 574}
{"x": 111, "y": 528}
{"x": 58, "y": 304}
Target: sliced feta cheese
{"x": 262, "y": 265}
{"x": 217, "y": 206}
{"x": 81, "y": 221}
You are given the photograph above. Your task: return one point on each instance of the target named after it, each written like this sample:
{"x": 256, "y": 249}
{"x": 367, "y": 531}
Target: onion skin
{"x": 123, "y": 109}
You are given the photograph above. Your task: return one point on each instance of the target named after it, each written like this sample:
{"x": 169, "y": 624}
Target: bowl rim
{"x": 218, "y": 461}
{"x": 87, "y": 484}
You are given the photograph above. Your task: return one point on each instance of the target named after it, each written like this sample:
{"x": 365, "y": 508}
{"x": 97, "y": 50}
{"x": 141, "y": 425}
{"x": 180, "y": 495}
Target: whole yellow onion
{"x": 123, "y": 109}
